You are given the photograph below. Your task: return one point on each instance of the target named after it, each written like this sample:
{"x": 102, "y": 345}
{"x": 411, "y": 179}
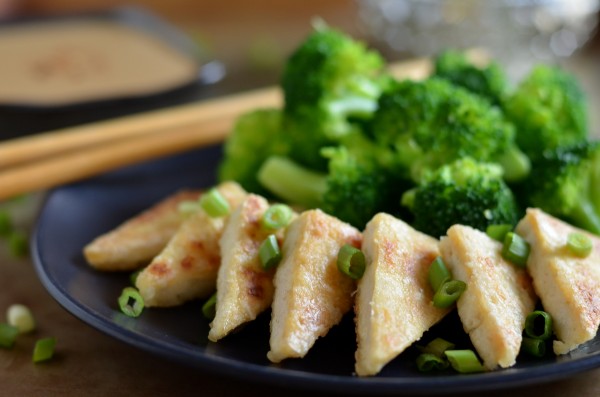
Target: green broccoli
{"x": 565, "y": 182}
{"x": 329, "y": 80}
{"x": 433, "y": 122}
{"x": 354, "y": 188}
{"x": 489, "y": 82}
{"x": 548, "y": 110}
{"x": 255, "y": 136}
{"x": 464, "y": 192}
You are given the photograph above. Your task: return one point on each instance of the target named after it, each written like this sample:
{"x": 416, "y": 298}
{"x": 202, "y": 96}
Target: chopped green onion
{"x": 351, "y": 261}
{"x": 131, "y": 302}
{"x": 17, "y": 243}
{"x": 515, "y": 249}
{"x": 498, "y": 232}
{"x": 464, "y": 361}
{"x": 437, "y": 347}
{"x": 438, "y": 274}
{"x": 533, "y": 347}
{"x": 579, "y": 244}
{"x": 209, "y": 307}
{"x": 538, "y": 325}
{"x": 44, "y": 349}
{"x": 6, "y": 225}
{"x": 134, "y": 276}
{"x": 269, "y": 252}
{"x": 8, "y": 335}
{"x": 276, "y": 217}
{"x": 214, "y": 204}
{"x": 20, "y": 316}
{"x": 448, "y": 293}
{"x": 188, "y": 207}
{"x": 427, "y": 362}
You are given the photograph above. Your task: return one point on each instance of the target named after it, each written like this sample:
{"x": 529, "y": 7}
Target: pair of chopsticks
{"x": 53, "y": 158}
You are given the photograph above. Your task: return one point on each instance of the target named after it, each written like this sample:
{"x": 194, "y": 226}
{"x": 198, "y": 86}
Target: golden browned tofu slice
{"x": 498, "y": 298}
{"x": 568, "y": 286}
{"x": 187, "y": 267}
{"x": 135, "y": 242}
{"x": 311, "y": 294}
{"x": 393, "y": 304}
{"x": 244, "y": 288}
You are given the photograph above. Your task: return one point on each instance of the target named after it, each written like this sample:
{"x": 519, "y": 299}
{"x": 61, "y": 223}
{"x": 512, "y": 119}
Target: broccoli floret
{"x": 329, "y": 80}
{"x": 464, "y": 192}
{"x": 433, "y": 122}
{"x": 255, "y": 136}
{"x": 565, "y": 182}
{"x": 353, "y": 189}
{"x": 489, "y": 81}
{"x": 548, "y": 110}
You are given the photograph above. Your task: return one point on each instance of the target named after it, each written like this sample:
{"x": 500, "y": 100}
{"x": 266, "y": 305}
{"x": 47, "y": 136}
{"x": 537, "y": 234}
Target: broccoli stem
{"x": 353, "y": 105}
{"x": 516, "y": 165}
{"x": 587, "y": 216}
{"x": 292, "y": 182}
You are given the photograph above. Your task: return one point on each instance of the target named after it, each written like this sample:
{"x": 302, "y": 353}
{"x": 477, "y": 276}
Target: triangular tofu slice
{"x": 568, "y": 286}
{"x": 311, "y": 294}
{"x": 244, "y": 288}
{"x": 498, "y": 298}
{"x": 187, "y": 267}
{"x": 135, "y": 242}
{"x": 393, "y": 304}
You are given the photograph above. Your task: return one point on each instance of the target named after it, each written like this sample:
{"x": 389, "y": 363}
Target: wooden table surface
{"x": 89, "y": 363}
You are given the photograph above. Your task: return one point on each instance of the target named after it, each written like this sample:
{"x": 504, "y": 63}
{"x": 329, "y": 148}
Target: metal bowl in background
{"x": 517, "y": 33}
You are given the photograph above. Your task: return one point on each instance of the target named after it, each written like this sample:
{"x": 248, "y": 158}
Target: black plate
{"x": 73, "y": 215}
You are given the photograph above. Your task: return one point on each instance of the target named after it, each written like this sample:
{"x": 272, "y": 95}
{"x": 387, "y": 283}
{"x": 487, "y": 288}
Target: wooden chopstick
{"x": 26, "y": 149}
{"x": 49, "y": 159}
{"x": 76, "y": 165}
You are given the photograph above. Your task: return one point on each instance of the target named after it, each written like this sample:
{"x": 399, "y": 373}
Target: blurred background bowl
{"x": 518, "y": 33}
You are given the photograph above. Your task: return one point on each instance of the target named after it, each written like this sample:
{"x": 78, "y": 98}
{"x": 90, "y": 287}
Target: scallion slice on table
{"x": 515, "y": 249}
{"x": 269, "y": 252}
{"x": 17, "y": 243}
{"x": 464, "y": 361}
{"x": 21, "y": 317}
{"x": 8, "y": 335}
{"x": 438, "y": 273}
{"x": 533, "y": 347}
{"x": 498, "y": 232}
{"x": 448, "y": 293}
{"x": 6, "y": 225}
{"x": 276, "y": 217}
{"x": 214, "y": 203}
{"x": 351, "y": 261}
{"x": 538, "y": 325}
{"x": 44, "y": 349}
{"x": 131, "y": 302}
{"x": 209, "y": 307}
{"x": 427, "y": 362}
{"x": 579, "y": 244}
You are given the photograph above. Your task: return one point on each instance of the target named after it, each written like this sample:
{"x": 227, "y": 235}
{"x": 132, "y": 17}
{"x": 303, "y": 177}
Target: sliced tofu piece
{"x": 187, "y": 267}
{"x": 393, "y": 304}
{"x": 311, "y": 294}
{"x": 244, "y": 288}
{"x": 135, "y": 242}
{"x": 568, "y": 286}
{"x": 498, "y": 298}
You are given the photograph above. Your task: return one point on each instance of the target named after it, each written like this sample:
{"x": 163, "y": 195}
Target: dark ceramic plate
{"x": 73, "y": 215}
